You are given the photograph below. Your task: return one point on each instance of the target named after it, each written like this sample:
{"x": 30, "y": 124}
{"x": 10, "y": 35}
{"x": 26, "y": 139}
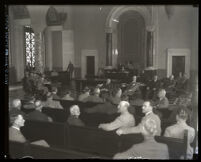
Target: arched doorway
{"x": 131, "y": 39}
{"x": 145, "y": 22}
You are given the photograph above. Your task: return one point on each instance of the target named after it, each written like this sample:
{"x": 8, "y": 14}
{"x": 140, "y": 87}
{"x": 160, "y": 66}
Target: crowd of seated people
{"x": 151, "y": 99}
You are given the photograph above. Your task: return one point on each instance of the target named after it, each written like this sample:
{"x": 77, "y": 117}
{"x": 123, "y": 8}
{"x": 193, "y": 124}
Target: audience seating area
{"x": 88, "y": 141}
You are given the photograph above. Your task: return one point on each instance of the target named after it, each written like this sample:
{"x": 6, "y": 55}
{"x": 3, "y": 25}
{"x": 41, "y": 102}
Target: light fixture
{"x": 115, "y": 20}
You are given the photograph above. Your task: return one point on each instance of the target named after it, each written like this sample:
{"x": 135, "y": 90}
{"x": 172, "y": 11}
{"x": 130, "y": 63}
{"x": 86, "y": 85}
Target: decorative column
{"x": 149, "y": 51}
{"x": 39, "y": 68}
{"x": 109, "y": 47}
{"x": 37, "y": 15}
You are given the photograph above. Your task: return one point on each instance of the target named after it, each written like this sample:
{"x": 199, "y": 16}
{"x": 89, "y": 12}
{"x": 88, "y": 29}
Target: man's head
{"x": 155, "y": 77}
{"x": 86, "y": 90}
{"x": 38, "y": 105}
{"x": 171, "y": 77}
{"x": 161, "y": 93}
{"x": 134, "y": 78}
{"x": 123, "y": 106}
{"x": 108, "y": 81}
{"x": 49, "y": 95}
{"x": 97, "y": 91}
{"x": 75, "y": 110}
{"x": 182, "y": 114}
{"x": 17, "y": 120}
{"x": 16, "y": 103}
{"x": 54, "y": 90}
{"x": 149, "y": 128}
{"x": 147, "y": 107}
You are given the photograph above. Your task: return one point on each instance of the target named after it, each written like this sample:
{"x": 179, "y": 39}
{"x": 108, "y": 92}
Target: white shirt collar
{"x": 16, "y": 128}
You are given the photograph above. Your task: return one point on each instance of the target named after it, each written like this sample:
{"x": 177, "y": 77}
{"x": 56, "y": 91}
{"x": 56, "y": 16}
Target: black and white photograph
{"x": 102, "y": 81}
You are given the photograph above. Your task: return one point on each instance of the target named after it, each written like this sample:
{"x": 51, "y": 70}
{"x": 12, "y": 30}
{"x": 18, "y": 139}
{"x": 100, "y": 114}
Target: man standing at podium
{"x": 70, "y": 69}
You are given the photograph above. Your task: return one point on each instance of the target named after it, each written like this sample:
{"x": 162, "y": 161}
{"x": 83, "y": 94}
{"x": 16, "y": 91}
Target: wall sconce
{"x": 115, "y": 52}
{"x": 169, "y": 10}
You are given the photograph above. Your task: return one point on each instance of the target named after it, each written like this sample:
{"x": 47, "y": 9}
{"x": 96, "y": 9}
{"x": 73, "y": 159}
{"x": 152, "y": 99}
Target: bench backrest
{"x": 108, "y": 143}
{"x": 53, "y": 133}
{"x": 19, "y": 150}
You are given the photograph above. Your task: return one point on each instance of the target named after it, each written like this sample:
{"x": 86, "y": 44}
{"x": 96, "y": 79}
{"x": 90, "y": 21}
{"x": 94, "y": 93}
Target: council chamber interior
{"x": 112, "y": 52}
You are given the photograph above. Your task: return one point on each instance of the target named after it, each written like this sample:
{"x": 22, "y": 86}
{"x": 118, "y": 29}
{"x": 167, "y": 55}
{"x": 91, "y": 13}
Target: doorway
{"x": 90, "y": 66}
{"x": 178, "y": 65}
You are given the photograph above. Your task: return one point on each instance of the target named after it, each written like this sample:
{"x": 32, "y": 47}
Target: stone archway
{"x": 147, "y": 12}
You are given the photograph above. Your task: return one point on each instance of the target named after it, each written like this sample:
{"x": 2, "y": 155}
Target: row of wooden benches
{"x": 94, "y": 141}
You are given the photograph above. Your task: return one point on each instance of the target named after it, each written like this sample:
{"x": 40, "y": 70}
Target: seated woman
{"x": 177, "y": 130}
{"x": 109, "y": 107}
{"x": 73, "y": 119}
{"x": 149, "y": 148}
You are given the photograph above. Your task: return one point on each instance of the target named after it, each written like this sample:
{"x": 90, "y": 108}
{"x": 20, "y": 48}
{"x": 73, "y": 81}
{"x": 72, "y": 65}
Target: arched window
{"x": 29, "y": 47}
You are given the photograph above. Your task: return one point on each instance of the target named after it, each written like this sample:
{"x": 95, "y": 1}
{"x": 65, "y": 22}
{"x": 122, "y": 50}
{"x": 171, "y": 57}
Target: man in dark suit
{"x": 152, "y": 87}
{"x": 37, "y": 113}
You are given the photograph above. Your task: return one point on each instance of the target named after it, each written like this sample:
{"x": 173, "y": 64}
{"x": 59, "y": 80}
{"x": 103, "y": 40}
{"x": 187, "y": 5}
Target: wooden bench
{"x": 58, "y": 115}
{"x": 19, "y": 150}
{"x": 107, "y": 144}
{"x": 52, "y": 132}
{"x": 94, "y": 141}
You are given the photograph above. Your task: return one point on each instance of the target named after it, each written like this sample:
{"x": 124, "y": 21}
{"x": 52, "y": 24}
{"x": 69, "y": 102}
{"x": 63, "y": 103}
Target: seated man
{"x": 16, "y": 122}
{"x": 73, "y": 119}
{"x": 109, "y": 107}
{"x": 67, "y": 96}
{"x": 147, "y": 109}
{"x": 54, "y": 91}
{"x": 106, "y": 86}
{"x": 177, "y": 130}
{"x": 170, "y": 83}
{"x": 85, "y": 94}
{"x": 152, "y": 87}
{"x": 37, "y": 113}
{"x": 133, "y": 88}
{"x": 29, "y": 102}
{"x": 16, "y": 107}
{"x": 162, "y": 102}
{"x": 51, "y": 103}
{"x": 149, "y": 148}
{"x": 95, "y": 97}
{"x": 123, "y": 121}
{"x": 162, "y": 105}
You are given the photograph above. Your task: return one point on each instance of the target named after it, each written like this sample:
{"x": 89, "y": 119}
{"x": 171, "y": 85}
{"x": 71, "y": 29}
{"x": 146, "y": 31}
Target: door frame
{"x": 84, "y": 54}
{"x": 178, "y": 52}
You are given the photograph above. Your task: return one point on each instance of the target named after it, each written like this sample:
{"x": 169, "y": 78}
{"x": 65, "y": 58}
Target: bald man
{"x": 123, "y": 121}
{"x": 16, "y": 107}
{"x": 147, "y": 109}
